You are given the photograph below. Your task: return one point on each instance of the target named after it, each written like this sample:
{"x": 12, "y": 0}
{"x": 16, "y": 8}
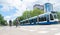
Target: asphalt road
{"x": 31, "y": 30}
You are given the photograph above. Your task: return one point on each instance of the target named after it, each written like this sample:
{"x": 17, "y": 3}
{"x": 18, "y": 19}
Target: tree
{"x": 32, "y": 13}
{"x": 2, "y": 21}
{"x": 36, "y": 12}
{"x": 58, "y": 14}
{"x": 26, "y": 14}
{"x": 14, "y": 22}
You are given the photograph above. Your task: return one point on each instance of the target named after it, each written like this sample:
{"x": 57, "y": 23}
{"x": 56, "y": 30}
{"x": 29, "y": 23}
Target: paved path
{"x": 31, "y": 30}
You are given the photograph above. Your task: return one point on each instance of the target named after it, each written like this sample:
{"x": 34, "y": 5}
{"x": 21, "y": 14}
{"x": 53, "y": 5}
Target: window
{"x": 23, "y": 21}
{"x": 35, "y": 19}
{"x": 42, "y": 18}
{"x": 51, "y": 17}
{"x": 27, "y": 21}
{"x": 55, "y": 16}
{"x": 32, "y": 20}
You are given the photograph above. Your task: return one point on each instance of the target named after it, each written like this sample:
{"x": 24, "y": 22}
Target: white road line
{"x": 42, "y": 31}
{"x": 23, "y": 28}
{"x": 32, "y": 30}
{"x": 43, "y": 28}
{"x": 27, "y": 29}
{"x": 57, "y": 34}
{"x": 54, "y": 29}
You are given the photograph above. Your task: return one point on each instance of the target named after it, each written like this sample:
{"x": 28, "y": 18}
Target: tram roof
{"x": 29, "y": 18}
{"x": 39, "y": 15}
{"x": 44, "y": 14}
{"x": 23, "y": 20}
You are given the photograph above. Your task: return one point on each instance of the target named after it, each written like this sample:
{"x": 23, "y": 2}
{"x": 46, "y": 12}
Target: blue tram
{"x": 43, "y": 19}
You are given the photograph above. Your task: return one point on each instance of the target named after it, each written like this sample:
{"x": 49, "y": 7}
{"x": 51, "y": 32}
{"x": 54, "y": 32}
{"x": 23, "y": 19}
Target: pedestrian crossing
{"x": 47, "y": 30}
{"x": 36, "y": 30}
{"x": 57, "y": 33}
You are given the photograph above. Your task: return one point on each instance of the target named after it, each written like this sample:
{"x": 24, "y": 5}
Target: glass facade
{"x": 48, "y": 7}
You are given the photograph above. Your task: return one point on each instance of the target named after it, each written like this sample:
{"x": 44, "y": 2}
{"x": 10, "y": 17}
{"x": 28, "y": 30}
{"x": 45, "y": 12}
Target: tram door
{"x": 47, "y": 17}
{"x": 34, "y": 20}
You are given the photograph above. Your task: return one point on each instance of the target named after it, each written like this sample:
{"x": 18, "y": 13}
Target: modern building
{"x": 48, "y": 7}
{"x": 41, "y": 7}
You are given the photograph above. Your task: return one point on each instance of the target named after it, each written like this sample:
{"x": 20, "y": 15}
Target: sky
{"x": 11, "y": 9}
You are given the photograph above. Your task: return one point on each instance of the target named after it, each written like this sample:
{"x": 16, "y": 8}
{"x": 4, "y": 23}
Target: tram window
{"x": 55, "y": 16}
{"x": 27, "y": 21}
{"x": 23, "y": 22}
{"x": 51, "y": 17}
{"x": 42, "y": 19}
{"x": 35, "y": 19}
{"x": 32, "y": 20}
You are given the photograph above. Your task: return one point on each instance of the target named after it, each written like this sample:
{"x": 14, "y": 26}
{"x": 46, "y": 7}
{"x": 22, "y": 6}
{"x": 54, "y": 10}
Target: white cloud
{"x": 4, "y": 8}
{"x": 7, "y": 18}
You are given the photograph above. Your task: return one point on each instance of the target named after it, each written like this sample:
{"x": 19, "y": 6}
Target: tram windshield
{"x": 51, "y": 17}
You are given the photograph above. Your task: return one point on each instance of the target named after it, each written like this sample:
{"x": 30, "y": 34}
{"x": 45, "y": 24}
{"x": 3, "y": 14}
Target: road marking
{"x": 43, "y": 31}
{"x": 23, "y": 28}
{"x": 1, "y": 28}
{"x": 32, "y": 30}
{"x": 27, "y": 29}
{"x": 54, "y": 29}
{"x": 57, "y": 34}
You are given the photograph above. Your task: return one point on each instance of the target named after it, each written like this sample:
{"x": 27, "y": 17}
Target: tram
{"x": 43, "y": 19}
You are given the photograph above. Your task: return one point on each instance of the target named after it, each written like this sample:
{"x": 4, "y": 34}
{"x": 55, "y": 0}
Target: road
{"x": 31, "y": 30}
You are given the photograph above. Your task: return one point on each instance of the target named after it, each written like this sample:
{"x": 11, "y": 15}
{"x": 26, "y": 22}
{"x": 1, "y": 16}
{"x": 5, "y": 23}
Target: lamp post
{"x": 0, "y": 23}
{"x": 28, "y": 15}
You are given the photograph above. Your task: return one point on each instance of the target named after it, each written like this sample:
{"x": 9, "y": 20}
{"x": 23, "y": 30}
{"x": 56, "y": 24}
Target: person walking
{"x": 10, "y": 23}
{"x": 17, "y": 22}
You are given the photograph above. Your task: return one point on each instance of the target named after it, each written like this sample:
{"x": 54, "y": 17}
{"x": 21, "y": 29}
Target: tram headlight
{"x": 56, "y": 20}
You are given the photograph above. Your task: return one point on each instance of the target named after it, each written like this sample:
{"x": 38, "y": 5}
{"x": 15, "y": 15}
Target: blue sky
{"x": 11, "y": 9}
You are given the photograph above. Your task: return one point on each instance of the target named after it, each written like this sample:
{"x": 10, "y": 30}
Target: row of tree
{"x": 2, "y": 21}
